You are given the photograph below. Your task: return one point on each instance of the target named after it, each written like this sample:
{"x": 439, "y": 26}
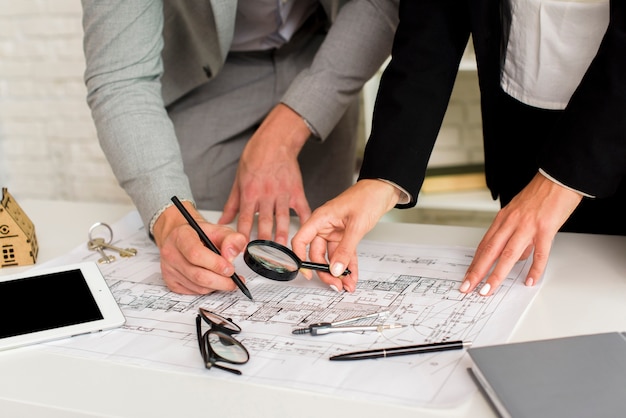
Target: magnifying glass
{"x": 277, "y": 262}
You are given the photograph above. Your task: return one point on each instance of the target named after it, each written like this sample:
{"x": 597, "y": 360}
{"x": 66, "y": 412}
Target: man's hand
{"x": 189, "y": 267}
{"x": 268, "y": 180}
{"x": 527, "y": 224}
{"x": 335, "y": 229}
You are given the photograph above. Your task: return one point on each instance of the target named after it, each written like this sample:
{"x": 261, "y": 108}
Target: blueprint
{"x": 417, "y": 286}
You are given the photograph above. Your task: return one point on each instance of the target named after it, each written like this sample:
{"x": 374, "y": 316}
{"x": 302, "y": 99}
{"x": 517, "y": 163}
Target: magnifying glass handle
{"x": 320, "y": 267}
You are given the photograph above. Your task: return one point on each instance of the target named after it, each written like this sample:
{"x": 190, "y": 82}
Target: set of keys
{"x": 99, "y": 244}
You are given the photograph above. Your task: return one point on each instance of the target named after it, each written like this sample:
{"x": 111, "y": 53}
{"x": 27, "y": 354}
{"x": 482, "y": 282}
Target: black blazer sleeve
{"x": 587, "y": 148}
{"x": 415, "y": 90}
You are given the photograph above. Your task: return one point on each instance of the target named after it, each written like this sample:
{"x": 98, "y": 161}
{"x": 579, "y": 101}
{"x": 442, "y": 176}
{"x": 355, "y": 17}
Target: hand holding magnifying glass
{"x": 277, "y": 262}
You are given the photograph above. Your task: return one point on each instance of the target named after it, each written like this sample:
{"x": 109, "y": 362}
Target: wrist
{"x": 171, "y": 218}
{"x": 295, "y": 129}
{"x": 386, "y": 191}
{"x": 311, "y": 128}
{"x": 280, "y": 137}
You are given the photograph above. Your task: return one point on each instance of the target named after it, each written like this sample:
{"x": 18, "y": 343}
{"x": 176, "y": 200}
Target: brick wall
{"x": 460, "y": 139}
{"x": 48, "y": 144}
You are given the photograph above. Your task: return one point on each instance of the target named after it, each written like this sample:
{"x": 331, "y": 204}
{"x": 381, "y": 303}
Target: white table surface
{"x": 584, "y": 292}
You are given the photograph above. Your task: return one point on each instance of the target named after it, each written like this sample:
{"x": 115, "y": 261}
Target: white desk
{"x": 584, "y": 292}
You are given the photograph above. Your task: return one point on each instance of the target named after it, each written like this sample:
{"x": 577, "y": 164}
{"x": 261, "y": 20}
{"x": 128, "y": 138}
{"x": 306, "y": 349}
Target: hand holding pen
{"x": 186, "y": 265}
{"x": 208, "y": 243}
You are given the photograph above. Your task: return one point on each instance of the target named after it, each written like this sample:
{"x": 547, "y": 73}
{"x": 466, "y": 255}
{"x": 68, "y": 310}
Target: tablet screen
{"x": 45, "y": 302}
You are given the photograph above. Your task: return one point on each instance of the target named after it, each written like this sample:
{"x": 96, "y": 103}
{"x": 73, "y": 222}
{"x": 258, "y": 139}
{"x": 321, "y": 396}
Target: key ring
{"x": 98, "y": 225}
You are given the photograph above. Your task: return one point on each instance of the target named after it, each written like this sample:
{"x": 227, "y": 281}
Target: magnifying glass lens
{"x": 272, "y": 260}
{"x": 277, "y": 262}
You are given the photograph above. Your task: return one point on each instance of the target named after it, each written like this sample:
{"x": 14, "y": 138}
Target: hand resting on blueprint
{"x": 526, "y": 225}
{"x": 268, "y": 180}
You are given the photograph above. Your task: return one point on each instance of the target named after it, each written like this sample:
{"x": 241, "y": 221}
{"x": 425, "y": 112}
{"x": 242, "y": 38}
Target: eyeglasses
{"x": 218, "y": 344}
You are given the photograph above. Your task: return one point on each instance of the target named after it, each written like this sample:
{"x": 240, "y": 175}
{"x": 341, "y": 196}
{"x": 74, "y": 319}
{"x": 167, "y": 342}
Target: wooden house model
{"x": 18, "y": 244}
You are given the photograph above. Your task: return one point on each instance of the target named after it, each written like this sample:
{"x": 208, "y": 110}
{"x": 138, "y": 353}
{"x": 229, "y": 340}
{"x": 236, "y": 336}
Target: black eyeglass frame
{"x": 224, "y": 331}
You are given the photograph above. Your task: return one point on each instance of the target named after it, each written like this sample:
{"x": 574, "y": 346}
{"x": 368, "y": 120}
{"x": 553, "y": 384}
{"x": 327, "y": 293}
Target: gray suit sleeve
{"x": 358, "y": 43}
{"x": 122, "y": 46}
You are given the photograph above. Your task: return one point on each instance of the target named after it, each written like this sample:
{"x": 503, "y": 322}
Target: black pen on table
{"x": 207, "y": 243}
{"x": 402, "y": 351}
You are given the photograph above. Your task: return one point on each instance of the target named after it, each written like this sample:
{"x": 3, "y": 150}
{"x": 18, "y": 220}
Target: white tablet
{"x": 53, "y": 303}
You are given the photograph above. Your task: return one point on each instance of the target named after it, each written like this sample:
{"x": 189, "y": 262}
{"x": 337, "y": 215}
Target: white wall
{"x": 48, "y": 144}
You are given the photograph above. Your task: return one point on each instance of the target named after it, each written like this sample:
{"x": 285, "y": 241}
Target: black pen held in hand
{"x": 402, "y": 351}
{"x": 207, "y": 243}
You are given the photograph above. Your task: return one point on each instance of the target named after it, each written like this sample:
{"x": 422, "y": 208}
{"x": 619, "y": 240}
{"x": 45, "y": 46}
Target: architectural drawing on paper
{"x": 416, "y": 284}
{"x": 425, "y": 300}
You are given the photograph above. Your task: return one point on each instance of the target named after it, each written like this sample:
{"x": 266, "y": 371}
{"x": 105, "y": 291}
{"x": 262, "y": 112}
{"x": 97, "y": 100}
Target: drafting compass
{"x": 322, "y": 328}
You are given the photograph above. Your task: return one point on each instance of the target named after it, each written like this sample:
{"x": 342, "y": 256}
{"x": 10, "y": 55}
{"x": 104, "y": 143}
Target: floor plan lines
{"x": 417, "y": 285}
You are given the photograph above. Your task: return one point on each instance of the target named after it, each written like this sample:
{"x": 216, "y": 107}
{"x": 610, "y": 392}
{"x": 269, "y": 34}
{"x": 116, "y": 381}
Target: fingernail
{"x": 337, "y": 269}
{"x": 231, "y": 254}
{"x": 348, "y": 287}
{"x": 464, "y": 286}
{"x": 332, "y": 286}
{"x": 485, "y": 289}
{"x": 530, "y": 281}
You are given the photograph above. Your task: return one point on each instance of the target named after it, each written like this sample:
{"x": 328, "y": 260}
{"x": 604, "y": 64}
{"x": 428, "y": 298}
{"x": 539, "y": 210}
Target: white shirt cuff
{"x": 405, "y": 197}
{"x": 549, "y": 177}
